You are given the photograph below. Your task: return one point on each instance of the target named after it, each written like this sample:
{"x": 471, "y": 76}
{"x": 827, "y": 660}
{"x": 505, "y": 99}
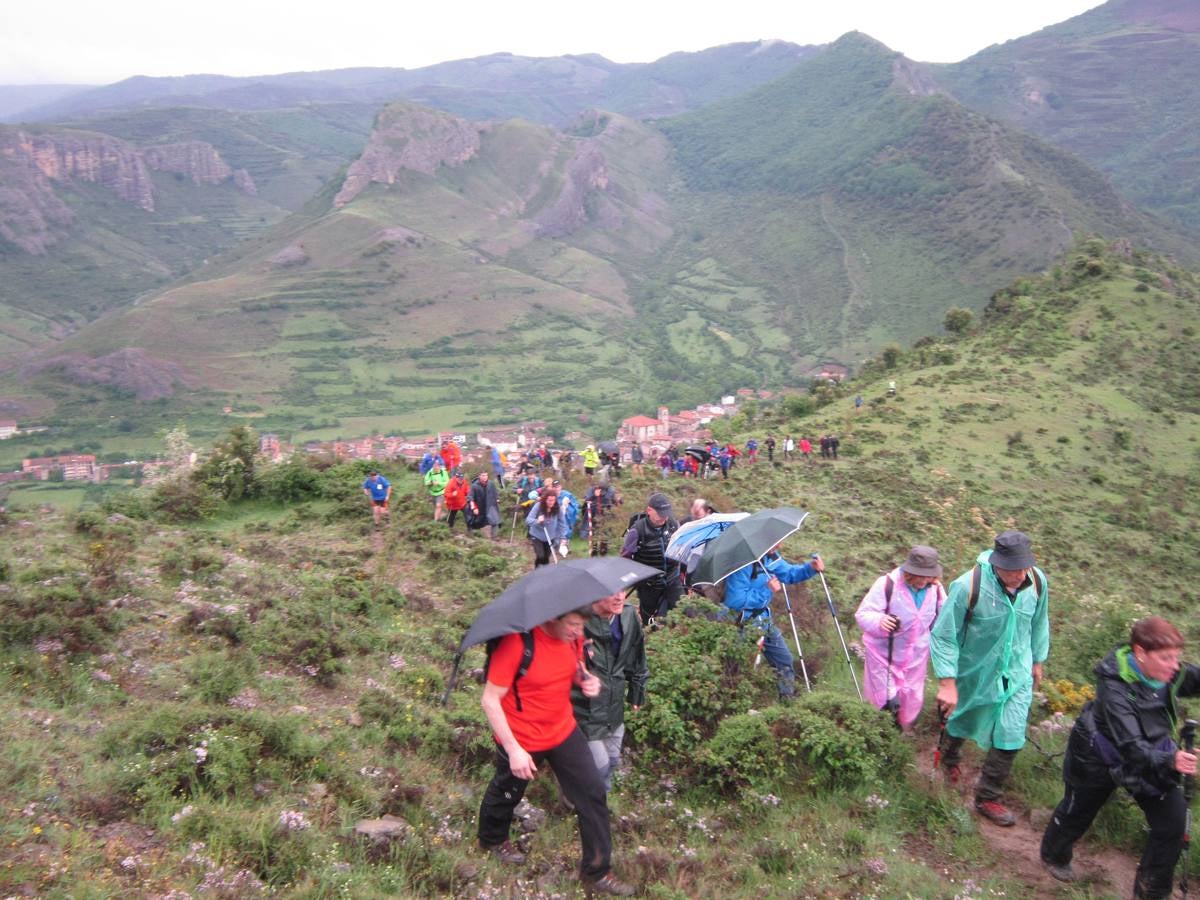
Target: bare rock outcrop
{"x": 32, "y": 216}
{"x": 291, "y": 255}
{"x": 410, "y": 138}
{"x": 586, "y": 176}
{"x": 196, "y": 160}
{"x": 913, "y": 78}
{"x": 129, "y": 369}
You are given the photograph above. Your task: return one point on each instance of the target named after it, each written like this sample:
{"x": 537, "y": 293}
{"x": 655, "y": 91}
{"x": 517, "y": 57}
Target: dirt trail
{"x": 1105, "y": 871}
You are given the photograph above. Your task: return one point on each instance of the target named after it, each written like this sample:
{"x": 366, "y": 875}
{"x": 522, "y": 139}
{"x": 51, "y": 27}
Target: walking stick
{"x": 838, "y": 626}
{"x": 549, "y": 543}
{"x": 796, "y": 636}
{"x": 516, "y": 512}
{"x": 1187, "y": 735}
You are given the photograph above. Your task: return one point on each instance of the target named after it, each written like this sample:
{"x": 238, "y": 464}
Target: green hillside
{"x": 1116, "y": 85}
{"x": 214, "y": 704}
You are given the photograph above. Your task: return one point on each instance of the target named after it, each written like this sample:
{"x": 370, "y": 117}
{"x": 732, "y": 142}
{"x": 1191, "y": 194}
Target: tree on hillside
{"x": 229, "y": 469}
{"x": 890, "y": 355}
{"x": 958, "y": 321}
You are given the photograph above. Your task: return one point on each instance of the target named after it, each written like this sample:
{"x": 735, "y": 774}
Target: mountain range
{"x": 738, "y": 217}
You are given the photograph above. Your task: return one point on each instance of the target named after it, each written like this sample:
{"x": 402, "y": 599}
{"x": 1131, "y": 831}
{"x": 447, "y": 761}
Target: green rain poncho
{"x": 992, "y": 661}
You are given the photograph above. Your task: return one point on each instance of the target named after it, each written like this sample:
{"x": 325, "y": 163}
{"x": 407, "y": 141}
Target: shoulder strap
{"x": 976, "y": 576}
{"x": 1037, "y": 582}
{"x": 888, "y": 587}
{"x": 523, "y": 668}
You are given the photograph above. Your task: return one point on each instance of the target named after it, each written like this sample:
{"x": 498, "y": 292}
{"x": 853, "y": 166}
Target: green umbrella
{"x": 745, "y": 542}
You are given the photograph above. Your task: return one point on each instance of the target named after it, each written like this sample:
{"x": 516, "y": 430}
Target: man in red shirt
{"x": 533, "y": 722}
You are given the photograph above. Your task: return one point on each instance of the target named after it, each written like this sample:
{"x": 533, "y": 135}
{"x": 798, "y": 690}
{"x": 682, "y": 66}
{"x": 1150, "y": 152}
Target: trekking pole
{"x": 838, "y": 626}
{"x": 516, "y": 512}
{"x": 549, "y": 543}
{"x": 1187, "y": 734}
{"x": 796, "y": 636}
{"x": 759, "y": 644}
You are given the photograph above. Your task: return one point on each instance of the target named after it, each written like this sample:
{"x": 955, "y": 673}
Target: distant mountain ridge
{"x": 550, "y": 90}
{"x": 1118, "y": 85}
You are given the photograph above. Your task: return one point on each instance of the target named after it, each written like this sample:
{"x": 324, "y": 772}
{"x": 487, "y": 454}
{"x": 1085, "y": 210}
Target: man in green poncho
{"x": 988, "y": 646}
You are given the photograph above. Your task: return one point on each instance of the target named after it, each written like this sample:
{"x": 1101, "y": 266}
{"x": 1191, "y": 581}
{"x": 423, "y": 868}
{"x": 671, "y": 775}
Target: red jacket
{"x": 456, "y": 493}
{"x": 451, "y": 456}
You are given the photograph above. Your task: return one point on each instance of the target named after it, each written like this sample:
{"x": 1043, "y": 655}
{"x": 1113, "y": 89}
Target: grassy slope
{"x": 1096, "y": 374}
{"x": 1116, "y": 85}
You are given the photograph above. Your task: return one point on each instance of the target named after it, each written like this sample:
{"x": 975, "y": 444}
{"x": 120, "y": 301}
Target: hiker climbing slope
{"x": 1127, "y": 737}
{"x": 895, "y": 617}
{"x": 988, "y": 646}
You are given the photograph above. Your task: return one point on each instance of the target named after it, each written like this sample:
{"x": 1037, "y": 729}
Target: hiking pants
{"x": 657, "y": 597}
{"x": 453, "y": 515}
{"x": 606, "y": 753}
{"x": 1165, "y": 815}
{"x": 581, "y": 783}
{"x": 775, "y": 651}
{"x": 541, "y": 552}
{"x": 993, "y": 777}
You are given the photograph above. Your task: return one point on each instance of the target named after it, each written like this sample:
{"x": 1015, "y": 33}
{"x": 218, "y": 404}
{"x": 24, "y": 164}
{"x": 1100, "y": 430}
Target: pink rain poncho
{"x": 910, "y": 647}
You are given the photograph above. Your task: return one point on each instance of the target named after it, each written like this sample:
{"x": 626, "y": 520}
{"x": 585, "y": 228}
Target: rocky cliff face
{"x": 586, "y": 177}
{"x": 410, "y": 138}
{"x": 32, "y": 163}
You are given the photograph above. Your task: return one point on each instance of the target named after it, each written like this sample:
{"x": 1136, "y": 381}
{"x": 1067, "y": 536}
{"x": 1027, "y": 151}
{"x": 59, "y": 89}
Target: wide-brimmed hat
{"x": 1012, "y": 551}
{"x": 922, "y": 561}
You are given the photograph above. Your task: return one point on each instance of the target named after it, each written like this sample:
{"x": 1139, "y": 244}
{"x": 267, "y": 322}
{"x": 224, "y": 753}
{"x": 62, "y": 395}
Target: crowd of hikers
{"x": 987, "y": 636}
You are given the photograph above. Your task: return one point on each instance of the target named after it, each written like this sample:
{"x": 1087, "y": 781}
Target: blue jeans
{"x": 774, "y": 650}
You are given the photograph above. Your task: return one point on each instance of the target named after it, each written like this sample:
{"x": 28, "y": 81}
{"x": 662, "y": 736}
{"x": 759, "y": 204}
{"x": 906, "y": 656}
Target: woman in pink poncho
{"x": 895, "y": 617}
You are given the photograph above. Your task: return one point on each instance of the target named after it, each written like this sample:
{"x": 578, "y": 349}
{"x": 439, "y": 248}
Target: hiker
{"x": 752, "y": 451}
{"x": 451, "y": 455}
{"x": 426, "y": 463}
{"x": 614, "y": 646}
{"x": 748, "y": 593}
{"x": 547, "y": 528}
{"x": 891, "y": 391}
{"x": 455, "y": 496}
{"x": 636, "y": 457}
{"x": 824, "y": 446}
{"x": 770, "y": 445}
{"x": 540, "y": 727}
{"x": 591, "y": 460}
{"x": 699, "y": 509}
{"x": 646, "y": 542}
{"x": 435, "y": 483}
{"x": 724, "y": 460}
{"x": 834, "y": 443}
{"x": 858, "y": 403}
{"x": 806, "y": 449}
{"x": 895, "y": 617}
{"x": 1126, "y": 737}
{"x": 379, "y": 491}
{"x": 664, "y": 464}
{"x": 988, "y": 646}
{"x": 594, "y": 510}
{"x": 483, "y": 505}
{"x": 498, "y": 467}
{"x": 789, "y": 447}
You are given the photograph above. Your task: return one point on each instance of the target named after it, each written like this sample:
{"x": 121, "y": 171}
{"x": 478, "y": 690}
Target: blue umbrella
{"x": 688, "y": 542}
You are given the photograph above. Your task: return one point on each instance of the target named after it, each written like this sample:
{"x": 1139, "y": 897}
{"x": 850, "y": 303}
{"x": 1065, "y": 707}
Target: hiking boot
{"x": 995, "y": 812}
{"x": 610, "y": 885}
{"x": 1059, "y": 871}
{"x": 508, "y": 853}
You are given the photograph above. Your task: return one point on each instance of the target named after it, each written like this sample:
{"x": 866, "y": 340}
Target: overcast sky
{"x": 97, "y": 43}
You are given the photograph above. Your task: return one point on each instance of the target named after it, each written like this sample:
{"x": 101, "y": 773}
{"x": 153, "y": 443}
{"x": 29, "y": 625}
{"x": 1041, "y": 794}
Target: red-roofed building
{"x": 75, "y": 467}
{"x": 7, "y": 428}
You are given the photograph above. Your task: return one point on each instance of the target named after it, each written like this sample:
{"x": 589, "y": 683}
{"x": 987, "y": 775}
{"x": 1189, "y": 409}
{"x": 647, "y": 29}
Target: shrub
{"x": 796, "y": 406}
{"x": 703, "y": 672}
{"x": 289, "y": 482}
{"x": 821, "y": 739}
{"x": 958, "y": 320}
{"x": 182, "y": 500}
{"x": 194, "y": 561}
{"x": 216, "y": 677}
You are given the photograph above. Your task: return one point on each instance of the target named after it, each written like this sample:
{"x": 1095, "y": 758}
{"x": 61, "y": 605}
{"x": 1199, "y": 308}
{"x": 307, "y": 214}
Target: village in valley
{"x": 652, "y": 433}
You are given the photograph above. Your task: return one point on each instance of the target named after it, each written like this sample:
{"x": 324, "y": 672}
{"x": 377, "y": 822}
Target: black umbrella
{"x": 745, "y": 542}
{"x": 608, "y": 447}
{"x": 547, "y": 593}
{"x": 699, "y": 453}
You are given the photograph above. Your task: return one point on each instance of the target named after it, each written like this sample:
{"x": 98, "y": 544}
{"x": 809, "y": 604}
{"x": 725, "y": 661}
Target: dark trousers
{"x": 581, "y": 783}
{"x": 658, "y": 597}
{"x": 541, "y": 553}
{"x": 993, "y": 777}
{"x": 1165, "y": 815}
{"x": 453, "y": 515}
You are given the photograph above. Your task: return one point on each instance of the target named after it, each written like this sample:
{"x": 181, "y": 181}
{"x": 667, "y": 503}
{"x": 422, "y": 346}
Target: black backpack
{"x": 522, "y": 669}
{"x": 976, "y": 575}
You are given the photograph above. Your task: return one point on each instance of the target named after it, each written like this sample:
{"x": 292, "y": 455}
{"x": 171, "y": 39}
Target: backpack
{"x": 522, "y": 669}
{"x": 976, "y": 576}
